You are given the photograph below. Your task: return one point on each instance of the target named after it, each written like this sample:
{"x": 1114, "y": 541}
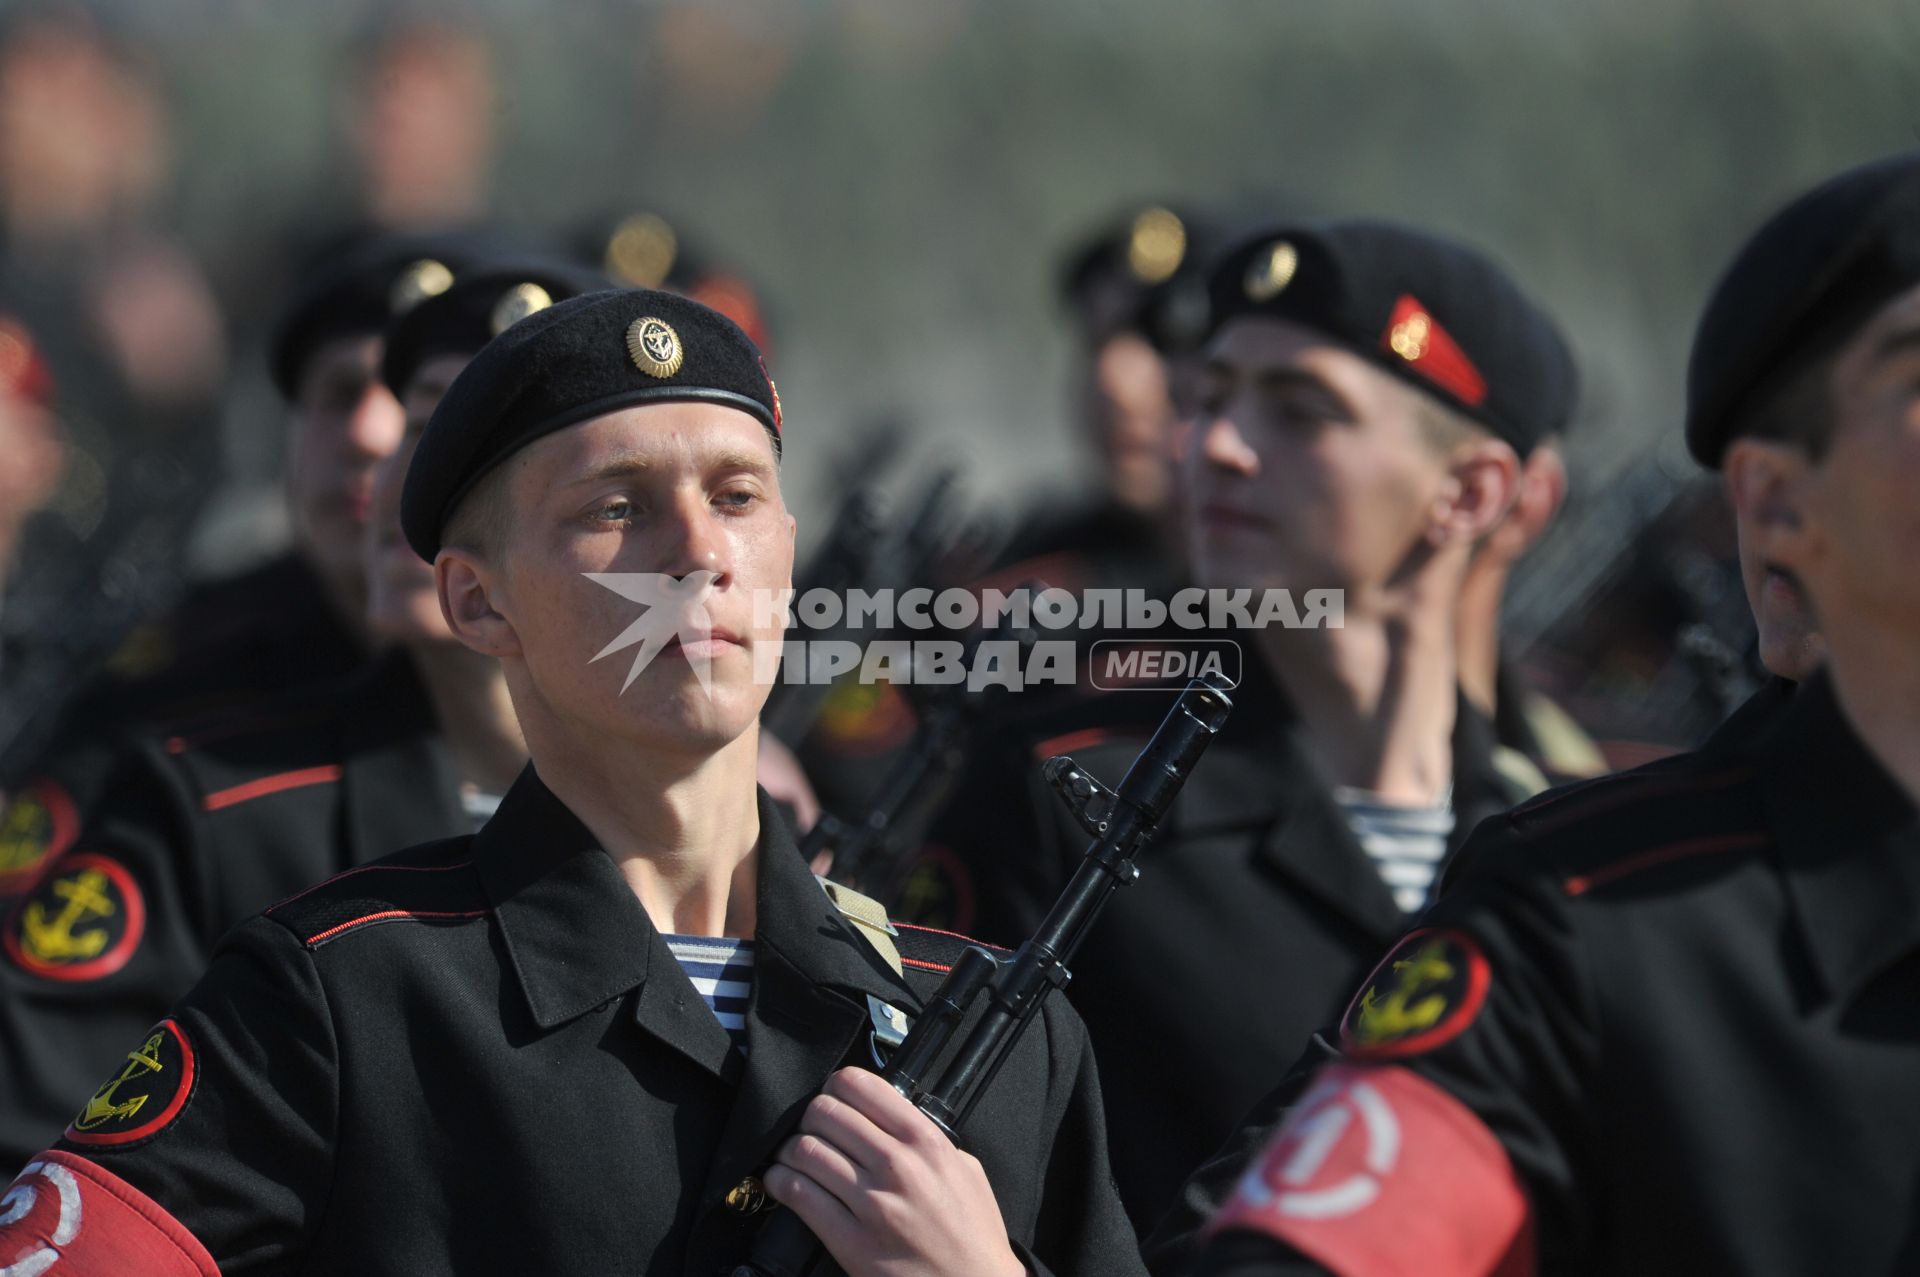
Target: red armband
{"x": 69, "y": 1217}
{"x": 1378, "y": 1171}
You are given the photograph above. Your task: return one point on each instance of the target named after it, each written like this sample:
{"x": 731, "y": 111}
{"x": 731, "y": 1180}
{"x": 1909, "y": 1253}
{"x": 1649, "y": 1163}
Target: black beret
{"x": 1435, "y": 313}
{"x": 1148, "y": 273}
{"x": 483, "y": 303}
{"x": 580, "y": 359}
{"x": 1803, "y": 284}
{"x": 358, "y": 286}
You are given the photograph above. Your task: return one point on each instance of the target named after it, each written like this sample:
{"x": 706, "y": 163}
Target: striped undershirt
{"x": 1406, "y": 844}
{"x": 722, "y": 970}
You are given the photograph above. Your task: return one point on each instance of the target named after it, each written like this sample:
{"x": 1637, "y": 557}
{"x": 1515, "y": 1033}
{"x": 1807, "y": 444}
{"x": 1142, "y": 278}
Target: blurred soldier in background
{"x": 1537, "y": 740}
{"x": 419, "y": 105}
{"x": 1370, "y": 392}
{"x": 211, "y": 820}
{"x": 296, "y": 620}
{"x": 1738, "y": 923}
{"x": 1137, "y": 296}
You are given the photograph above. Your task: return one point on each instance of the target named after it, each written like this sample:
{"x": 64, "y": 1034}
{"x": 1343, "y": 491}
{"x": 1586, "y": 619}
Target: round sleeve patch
{"x": 37, "y": 824}
{"x": 1424, "y": 993}
{"x": 148, "y": 1092}
{"x": 81, "y": 921}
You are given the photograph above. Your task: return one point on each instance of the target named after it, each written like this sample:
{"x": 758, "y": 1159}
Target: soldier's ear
{"x": 1768, "y": 486}
{"x": 1483, "y": 479}
{"x": 469, "y": 600}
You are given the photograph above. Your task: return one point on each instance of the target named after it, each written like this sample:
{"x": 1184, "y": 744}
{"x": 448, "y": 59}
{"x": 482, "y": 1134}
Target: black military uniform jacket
{"x": 1699, "y": 1028}
{"x": 228, "y": 642}
{"x": 199, "y": 829}
{"x": 1255, "y": 915}
{"x": 1169, "y": 1247}
{"x": 478, "y": 1056}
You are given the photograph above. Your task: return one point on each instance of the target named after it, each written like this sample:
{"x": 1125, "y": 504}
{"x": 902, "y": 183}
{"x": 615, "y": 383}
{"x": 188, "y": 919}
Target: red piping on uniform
{"x": 930, "y": 966}
{"x": 1628, "y": 789}
{"x": 270, "y": 785}
{"x": 401, "y": 913}
{"x": 348, "y": 873}
{"x": 935, "y": 931}
{"x": 1073, "y": 740}
{"x": 1581, "y": 884}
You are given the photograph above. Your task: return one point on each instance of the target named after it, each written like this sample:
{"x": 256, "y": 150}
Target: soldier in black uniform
{"x": 296, "y": 618}
{"x": 574, "y": 1042}
{"x": 205, "y": 823}
{"x": 1370, "y": 392}
{"x": 1667, "y": 1022}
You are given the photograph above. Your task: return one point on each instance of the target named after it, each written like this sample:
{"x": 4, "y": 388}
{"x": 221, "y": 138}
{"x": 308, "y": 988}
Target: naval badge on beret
{"x": 654, "y": 345}
{"x": 1435, "y": 313}
{"x": 582, "y": 358}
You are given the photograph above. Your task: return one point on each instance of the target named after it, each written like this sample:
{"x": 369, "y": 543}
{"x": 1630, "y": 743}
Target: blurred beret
{"x": 583, "y": 358}
{"x": 1148, "y": 274}
{"x": 480, "y": 305}
{"x": 1797, "y": 290}
{"x": 358, "y": 285}
{"x": 1440, "y": 316}
{"x": 639, "y": 248}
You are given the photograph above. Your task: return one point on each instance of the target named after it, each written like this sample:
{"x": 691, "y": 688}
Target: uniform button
{"x": 749, "y": 1196}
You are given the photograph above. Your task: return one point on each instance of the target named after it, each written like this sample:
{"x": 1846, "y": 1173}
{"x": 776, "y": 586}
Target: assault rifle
{"x": 1009, "y": 991}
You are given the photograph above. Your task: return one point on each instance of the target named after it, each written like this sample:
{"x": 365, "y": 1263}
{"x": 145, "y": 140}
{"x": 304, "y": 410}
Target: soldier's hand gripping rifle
{"x": 1013, "y": 988}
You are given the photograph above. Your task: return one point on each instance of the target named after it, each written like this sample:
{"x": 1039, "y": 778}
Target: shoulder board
{"x": 433, "y": 882}
{"x": 233, "y": 758}
{"x": 868, "y": 917}
{"x": 1600, "y": 831}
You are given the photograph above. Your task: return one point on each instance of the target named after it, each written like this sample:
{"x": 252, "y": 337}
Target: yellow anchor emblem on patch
{"x": 53, "y": 939}
{"x": 100, "y": 1106}
{"x": 1398, "y": 1014}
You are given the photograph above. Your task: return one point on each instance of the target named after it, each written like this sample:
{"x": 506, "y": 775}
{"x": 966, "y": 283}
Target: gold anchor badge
{"x": 100, "y": 1106}
{"x": 53, "y": 939}
{"x": 655, "y": 347}
{"x": 1398, "y": 1014}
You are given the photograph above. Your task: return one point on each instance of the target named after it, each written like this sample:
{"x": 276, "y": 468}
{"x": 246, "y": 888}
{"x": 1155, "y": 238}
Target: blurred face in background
{"x": 403, "y": 604}
{"x": 345, "y": 422}
{"x": 423, "y": 127}
{"x": 82, "y": 134}
{"x": 1129, "y": 414}
{"x": 1308, "y": 466}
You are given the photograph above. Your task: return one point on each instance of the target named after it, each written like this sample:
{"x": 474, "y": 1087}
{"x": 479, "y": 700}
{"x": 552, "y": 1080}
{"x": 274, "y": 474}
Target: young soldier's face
{"x": 1857, "y": 551}
{"x": 345, "y": 423}
{"x": 1308, "y": 469}
{"x": 403, "y": 603}
{"x": 677, "y": 508}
